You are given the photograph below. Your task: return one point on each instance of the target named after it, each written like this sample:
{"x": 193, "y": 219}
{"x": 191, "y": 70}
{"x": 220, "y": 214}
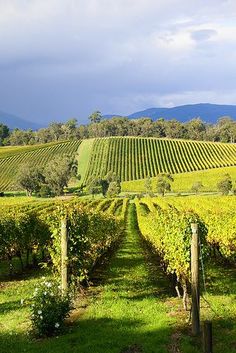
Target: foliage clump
{"x": 49, "y": 309}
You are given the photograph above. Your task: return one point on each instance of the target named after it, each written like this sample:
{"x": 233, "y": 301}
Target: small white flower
{"x": 39, "y": 312}
{"x": 57, "y": 324}
{"x": 22, "y": 301}
{"x": 49, "y": 284}
{"x": 33, "y": 305}
{"x": 45, "y": 293}
{"x": 41, "y": 317}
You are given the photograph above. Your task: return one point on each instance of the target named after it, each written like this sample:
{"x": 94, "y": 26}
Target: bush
{"x": 49, "y": 309}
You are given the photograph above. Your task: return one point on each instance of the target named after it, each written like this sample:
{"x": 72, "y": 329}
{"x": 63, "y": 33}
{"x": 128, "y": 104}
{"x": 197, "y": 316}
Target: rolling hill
{"x": 131, "y": 158}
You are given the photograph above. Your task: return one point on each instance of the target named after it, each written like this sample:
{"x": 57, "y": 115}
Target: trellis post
{"x": 64, "y": 241}
{"x": 195, "y": 280}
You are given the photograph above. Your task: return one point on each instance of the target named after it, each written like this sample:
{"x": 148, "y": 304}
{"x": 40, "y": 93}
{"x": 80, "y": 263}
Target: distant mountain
{"x": 13, "y": 122}
{"x": 207, "y": 112}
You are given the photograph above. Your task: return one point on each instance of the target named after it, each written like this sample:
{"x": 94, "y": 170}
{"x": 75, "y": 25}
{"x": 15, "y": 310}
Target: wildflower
{"x": 39, "y": 312}
{"x": 41, "y": 317}
{"x": 57, "y": 324}
{"x": 45, "y": 293}
{"x": 22, "y": 301}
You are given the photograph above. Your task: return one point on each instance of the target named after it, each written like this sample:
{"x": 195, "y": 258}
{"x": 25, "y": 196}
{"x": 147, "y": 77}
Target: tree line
{"x": 196, "y": 129}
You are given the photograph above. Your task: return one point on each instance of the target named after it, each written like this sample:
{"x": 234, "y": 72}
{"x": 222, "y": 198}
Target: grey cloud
{"x": 203, "y": 34}
{"x": 62, "y": 58}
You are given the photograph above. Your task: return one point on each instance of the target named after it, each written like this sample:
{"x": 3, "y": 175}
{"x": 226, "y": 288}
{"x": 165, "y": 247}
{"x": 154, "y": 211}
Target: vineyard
{"x": 30, "y": 235}
{"x": 130, "y": 158}
{"x": 136, "y": 158}
{"x": 28, "y": 228}
{"x": 12, "y": 158}
{"x": 165, "y": 223}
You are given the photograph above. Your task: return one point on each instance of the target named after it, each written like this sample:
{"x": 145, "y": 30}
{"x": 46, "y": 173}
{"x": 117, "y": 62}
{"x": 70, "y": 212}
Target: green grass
{"x": 83, "y": 157}
{"x": 184, "y": 181}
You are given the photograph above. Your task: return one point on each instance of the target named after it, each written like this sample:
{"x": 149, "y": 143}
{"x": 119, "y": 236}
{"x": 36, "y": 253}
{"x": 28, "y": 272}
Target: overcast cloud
{"x": 67, "y": 58}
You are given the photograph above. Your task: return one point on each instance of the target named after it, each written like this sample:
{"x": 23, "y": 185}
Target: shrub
{"x": 49, "y": 309}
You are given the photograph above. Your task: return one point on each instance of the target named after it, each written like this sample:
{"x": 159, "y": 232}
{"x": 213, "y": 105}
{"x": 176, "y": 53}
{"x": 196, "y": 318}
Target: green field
{"x": 183, "y": 182}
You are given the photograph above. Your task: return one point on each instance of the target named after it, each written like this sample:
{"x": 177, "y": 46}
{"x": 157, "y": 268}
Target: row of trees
{"x": 224, "y": 130}
{"x": 163, "y": 185}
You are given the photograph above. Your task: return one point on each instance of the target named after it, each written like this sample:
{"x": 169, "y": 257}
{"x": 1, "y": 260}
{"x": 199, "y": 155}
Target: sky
{"x": 67, "y": 58}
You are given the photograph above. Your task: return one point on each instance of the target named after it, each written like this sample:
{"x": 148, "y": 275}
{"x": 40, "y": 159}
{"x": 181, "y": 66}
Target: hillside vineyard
{"x": 130, "y": 158}
{"x": 133, "y": 158}
{"x": 38, "y": 155}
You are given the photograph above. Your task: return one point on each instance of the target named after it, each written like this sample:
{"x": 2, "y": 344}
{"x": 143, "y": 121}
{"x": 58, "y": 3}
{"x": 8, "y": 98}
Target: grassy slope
{"x": 184, "y": 181}
{"x": 83, "y": 157}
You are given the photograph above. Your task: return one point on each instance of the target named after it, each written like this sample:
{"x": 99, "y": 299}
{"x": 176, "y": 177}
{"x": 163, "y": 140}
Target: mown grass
{"x": 183, "y": 182}
{"x": 83, "y": 157}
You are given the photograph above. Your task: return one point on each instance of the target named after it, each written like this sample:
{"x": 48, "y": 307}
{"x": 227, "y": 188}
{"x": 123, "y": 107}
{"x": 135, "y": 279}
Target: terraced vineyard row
{"x": 39, "y": 156}
{"x": 133, "y": 158}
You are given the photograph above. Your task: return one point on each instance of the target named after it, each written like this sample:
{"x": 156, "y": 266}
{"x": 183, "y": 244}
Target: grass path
{"x": 126, "y": 315}
{"x": 130, "y": 315}
{"x": 83, "y": 157}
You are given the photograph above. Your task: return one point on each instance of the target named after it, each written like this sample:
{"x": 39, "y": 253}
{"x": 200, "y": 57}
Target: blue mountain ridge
{"x": 209, "y": 113}
{"x": 13, "y": 122}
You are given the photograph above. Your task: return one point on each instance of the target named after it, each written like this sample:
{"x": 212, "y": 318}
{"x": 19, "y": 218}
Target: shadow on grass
{"x": 9, "y": 306}
{"x": 220, "y": 279}
{"x": 102, "y": 335}
{"x": 31, "y": 273}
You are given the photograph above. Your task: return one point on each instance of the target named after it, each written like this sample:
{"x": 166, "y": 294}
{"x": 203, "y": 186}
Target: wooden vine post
{"x": 64, "y": 241}
{"x": 195, "y": 280}
{"x": 207, "y": 337}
